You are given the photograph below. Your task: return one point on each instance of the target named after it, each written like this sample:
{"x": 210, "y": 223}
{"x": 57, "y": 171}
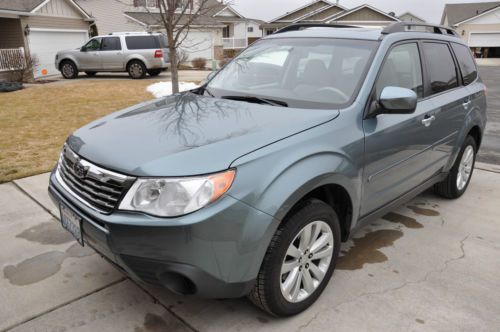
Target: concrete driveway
{"x": 432, "y": 264}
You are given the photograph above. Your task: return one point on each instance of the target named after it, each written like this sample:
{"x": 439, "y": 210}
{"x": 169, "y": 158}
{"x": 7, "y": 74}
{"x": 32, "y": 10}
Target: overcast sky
{"x": 430, "y": 10}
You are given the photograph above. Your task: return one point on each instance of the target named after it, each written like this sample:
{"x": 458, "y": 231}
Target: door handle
{"x": 428, "y": 120}
{"x": 467, "y": 103}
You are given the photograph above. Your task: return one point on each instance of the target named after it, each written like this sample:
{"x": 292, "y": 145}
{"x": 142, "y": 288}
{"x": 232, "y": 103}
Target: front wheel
{"x": 299, "y": 261}
{"x": 458, "y": 179}
{"x": 69, "y": 70}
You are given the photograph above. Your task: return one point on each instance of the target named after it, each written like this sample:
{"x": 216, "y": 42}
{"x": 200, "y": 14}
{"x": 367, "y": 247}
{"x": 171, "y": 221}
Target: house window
{"x": 250, "y": 29}
{"x": 146, "y": 3}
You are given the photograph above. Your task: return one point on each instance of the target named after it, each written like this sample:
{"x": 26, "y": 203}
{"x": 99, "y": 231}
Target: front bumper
{"x": 213, "y": 253}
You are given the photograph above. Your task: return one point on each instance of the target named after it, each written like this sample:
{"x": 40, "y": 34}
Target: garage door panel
{"x": 484, "y": 39}
{"x": 45, "y": 44}
{"x": 198, "y": 45}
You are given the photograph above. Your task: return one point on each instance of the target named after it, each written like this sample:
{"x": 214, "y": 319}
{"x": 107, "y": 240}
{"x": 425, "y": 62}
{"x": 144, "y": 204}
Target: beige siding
{"x": 12, "y": 33}
{"x": 410, "y": 18}
{"x": 302, "y": 12}
{"x": 56, "y": 22}
{"x": 325, "y": 14}
{"x": 61, "y": 8}
{"x": 109, "y": 15}
{"x": 365, "y": 14}
{"x": 464, "y": 30}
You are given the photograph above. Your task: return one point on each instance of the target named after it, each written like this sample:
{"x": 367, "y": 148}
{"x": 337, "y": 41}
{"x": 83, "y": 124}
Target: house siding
{"x": 304, "y": 11}
{"x": 324, "y": 14}
{"x": 59, "y": 8}
{"x": 12, "y": 33}
{"x": 51, "y": 22}
{"x": 465, "y": 30}
{"x": 365, "y": 14}
{"x": 109, "y": 16}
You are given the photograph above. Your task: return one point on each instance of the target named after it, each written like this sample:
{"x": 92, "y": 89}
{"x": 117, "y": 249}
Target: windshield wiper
{"x": 257, "y": 100}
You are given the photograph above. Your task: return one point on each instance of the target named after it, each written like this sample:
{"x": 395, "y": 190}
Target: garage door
{"x": 484, "y": 39}
{"x": 46, "y": 43}
{"x": 198, "y": 44}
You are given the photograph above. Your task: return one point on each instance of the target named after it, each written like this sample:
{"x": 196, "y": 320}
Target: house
{"x": 220, "y": 28}
{"x": 41, "y": 27}
{"x": 478, "y": 24}
{"x": 410, "y": 17}
{"x": 323, "y": 11}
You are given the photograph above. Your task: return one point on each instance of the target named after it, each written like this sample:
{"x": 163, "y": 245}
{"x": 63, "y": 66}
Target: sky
{"x": 430, "y": 10}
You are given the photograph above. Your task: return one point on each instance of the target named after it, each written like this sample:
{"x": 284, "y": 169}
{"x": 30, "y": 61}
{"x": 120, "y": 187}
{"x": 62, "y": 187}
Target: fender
{"x": 70, "y": 57}
{"x": 135, "y": 56}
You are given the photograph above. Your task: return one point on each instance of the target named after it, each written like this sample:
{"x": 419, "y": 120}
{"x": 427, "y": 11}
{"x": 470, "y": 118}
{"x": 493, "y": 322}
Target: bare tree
{"x": 177, "y": 18}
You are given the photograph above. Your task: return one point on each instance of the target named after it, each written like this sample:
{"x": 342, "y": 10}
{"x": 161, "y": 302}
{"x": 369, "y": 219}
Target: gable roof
{"x": 411, "y": 14}
{"x": 20, "y": 5}
{"x": 459, "y": 12}
{"x": 359, "y": 8}
{"x": 231, "y": 9}
{"x": 317, "y": 4}
{"x": 324, "y": 13}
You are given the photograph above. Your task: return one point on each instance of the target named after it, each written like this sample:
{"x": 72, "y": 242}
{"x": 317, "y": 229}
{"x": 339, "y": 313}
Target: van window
{"x": 111, "y": 44}
{"x": 466, "y": 63}
{"x": 441, "y": 67}
{"x": 402, "y": 69}
{"x": 142, "y": 42}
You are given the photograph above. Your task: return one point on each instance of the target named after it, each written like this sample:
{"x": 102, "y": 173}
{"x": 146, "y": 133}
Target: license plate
{"x": 71, "y": 222}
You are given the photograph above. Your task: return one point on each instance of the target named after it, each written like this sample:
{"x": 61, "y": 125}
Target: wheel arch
{"x": 67, "y": 59}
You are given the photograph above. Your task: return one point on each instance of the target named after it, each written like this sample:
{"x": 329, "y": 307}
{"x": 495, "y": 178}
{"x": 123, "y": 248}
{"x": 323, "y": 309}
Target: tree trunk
{"x": 173, "y": 69}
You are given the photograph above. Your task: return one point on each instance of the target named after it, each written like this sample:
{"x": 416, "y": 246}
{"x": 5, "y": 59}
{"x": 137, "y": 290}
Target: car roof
{"x": 127, "y": 34}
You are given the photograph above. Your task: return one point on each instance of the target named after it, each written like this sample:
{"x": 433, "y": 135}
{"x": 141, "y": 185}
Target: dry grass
{"x": 35, "y": 122}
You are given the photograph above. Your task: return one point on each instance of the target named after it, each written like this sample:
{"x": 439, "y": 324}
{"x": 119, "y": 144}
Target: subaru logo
{"x": 79, "y": 169}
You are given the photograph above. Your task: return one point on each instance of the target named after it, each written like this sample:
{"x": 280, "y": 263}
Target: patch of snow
{"x": 162, "y": 89}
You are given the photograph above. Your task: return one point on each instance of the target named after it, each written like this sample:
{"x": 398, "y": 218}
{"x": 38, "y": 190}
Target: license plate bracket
{"x": 71, "y": 222}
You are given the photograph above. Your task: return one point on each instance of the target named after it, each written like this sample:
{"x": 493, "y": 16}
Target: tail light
{"x": 158, "y": 54}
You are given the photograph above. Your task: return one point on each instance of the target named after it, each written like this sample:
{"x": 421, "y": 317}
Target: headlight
{"x": 171, "y": 197}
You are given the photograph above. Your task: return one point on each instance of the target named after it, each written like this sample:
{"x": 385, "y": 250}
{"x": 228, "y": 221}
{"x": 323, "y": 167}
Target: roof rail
{"x": 409, "y": 26}
{"x": 302, "y": 26}
{"x": 129, "y": 33}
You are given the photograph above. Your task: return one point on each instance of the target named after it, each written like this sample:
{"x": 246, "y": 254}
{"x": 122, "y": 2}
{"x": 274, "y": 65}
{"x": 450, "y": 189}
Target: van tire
{"x": 136, "y": 69}
{"x": 68, "y": 69}
{"x": 267, "y": 293}
{"x": 90, "y": 73}
{"x": 154, "y": 72}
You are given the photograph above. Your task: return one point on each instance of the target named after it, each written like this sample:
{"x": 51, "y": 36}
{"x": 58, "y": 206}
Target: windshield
{"x": 321, "y": 73}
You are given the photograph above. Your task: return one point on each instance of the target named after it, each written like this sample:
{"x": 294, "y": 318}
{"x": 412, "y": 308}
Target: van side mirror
{"x": 83, "y": 49}
{"x": 395, "y": 100}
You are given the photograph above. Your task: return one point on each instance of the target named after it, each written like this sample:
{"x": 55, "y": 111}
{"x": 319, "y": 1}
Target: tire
{"x": 136, "y": 69}
{"x": 452, "y": 187}
{"x": 267, "y": 292}
{"x": 90, "y": 73}
{"x": 68, "y": 69}
{"x": 154, "y": 72}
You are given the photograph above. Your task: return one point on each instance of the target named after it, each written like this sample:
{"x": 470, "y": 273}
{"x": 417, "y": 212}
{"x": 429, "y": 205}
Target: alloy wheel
{"x": 465, "y": 167}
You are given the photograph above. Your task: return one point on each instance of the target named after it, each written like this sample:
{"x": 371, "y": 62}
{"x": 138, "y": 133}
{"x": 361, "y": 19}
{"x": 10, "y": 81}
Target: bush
{"x": 199, "y": 63}
{"x": 223, "y": 62}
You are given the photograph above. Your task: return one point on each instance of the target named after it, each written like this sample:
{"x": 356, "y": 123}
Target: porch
{"x": 12, "y": 47}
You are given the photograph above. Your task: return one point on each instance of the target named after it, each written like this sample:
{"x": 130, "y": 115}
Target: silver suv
{"x": 135, "y": 53}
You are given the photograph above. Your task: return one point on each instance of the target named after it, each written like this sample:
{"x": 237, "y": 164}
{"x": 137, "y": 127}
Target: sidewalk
{"x": 432, "y": 264}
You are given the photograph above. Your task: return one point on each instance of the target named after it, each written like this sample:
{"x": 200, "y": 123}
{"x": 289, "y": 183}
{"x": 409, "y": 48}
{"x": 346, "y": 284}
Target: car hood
{"x": 187, "y": 134}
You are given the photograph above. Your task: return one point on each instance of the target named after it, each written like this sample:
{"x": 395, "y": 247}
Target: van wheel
{"x": 136, "y": 69}
{"x": 458, "y": 179}
{"x": 90, "y": 73}
{"x": 69, "y": 70}
{"x": 299, "y": 261}
{"x": 154, "y": 72}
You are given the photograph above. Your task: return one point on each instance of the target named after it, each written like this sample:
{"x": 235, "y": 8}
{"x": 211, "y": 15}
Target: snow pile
{"x": 162, "y": 89}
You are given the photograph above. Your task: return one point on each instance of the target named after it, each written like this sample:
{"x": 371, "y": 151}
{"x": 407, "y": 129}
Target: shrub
{"x": 199, "y": 63}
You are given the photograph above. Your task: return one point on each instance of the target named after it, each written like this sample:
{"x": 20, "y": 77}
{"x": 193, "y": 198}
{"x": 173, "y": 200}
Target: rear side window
{"x": 111, "y": 44}
{"x": 402, "y": 69}
{"x": 466, "y": 63}
{"x": 441, "y": 67}
{"x": 142, "y": 42}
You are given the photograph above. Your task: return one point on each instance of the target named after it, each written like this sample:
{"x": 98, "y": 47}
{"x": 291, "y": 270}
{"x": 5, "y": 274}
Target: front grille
{"x": 97, "y": 187}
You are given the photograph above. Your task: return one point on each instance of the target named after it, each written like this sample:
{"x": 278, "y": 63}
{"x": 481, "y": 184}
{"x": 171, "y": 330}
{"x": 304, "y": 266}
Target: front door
{"x": 398, "y": 147}
{"x": 88, "y": 57}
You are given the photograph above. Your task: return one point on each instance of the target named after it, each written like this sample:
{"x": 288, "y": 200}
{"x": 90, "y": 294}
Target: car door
{"x": 398, "y": 147}
{"x": 450, "y": 98}
{"x": 88, "y": 57}
{"x": 111, "y": 54}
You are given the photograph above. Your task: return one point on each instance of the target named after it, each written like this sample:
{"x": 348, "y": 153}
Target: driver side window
{"x": 402, "y": 68}
{"x": 93, "y": 45}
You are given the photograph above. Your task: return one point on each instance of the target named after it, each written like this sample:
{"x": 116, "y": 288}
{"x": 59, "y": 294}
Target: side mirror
{"x": 83, "y": 49}
{"x": 394, "y": 100}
